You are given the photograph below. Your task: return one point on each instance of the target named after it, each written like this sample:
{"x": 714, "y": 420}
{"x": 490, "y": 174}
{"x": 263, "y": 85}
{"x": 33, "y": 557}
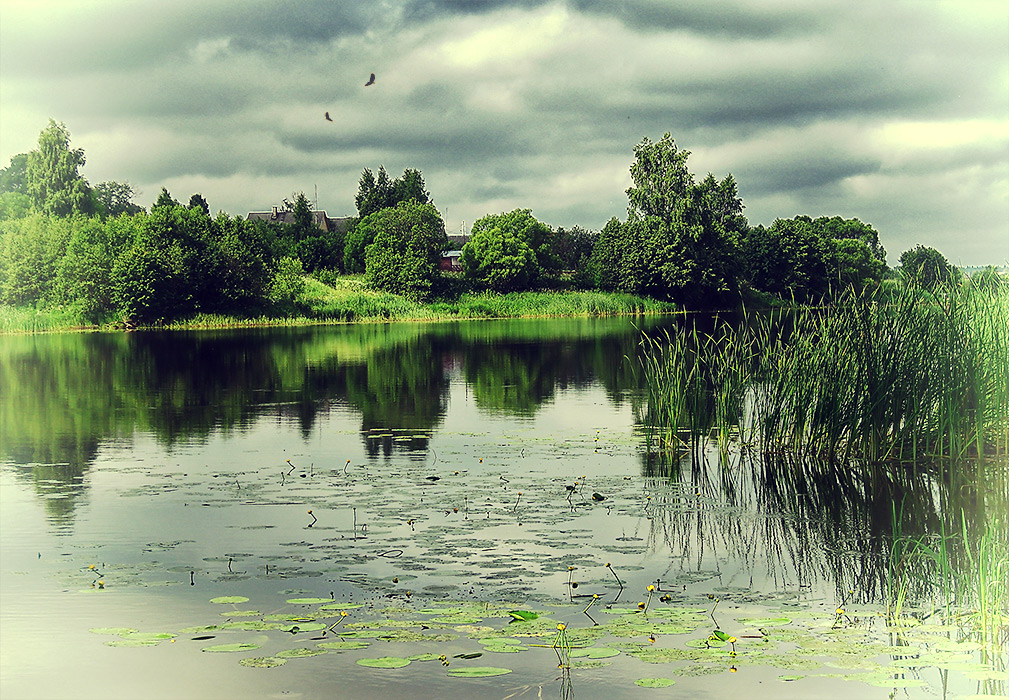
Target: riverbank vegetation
{"x": 73, "y": 255}
{"x": 889, "y": 374}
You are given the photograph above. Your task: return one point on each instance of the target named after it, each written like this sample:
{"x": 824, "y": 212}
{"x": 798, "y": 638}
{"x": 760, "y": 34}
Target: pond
{"x": 465, "y": 509}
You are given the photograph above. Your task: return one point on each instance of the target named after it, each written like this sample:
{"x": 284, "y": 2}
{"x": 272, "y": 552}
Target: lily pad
{"x": 230, "y": 599}
{"x": 119, "y": 631}
{"x": 263, "y": 662}
{"x": 765, "y": 621}
{"x": 308, "y": 601}
{"x": 655, "y": 682}
{"x": 478, "y": 672}
{"x": 341, "y": 646}
{"x": 593, "y": 653}
{"x": 243, "y": 646}
{"x": 300, "y": 652}
{"x": 385, "y": 662}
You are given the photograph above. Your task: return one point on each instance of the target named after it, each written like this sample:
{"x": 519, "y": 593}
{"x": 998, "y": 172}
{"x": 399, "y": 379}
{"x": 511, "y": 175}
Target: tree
{"x": 854, "y": 263}
{"x": 498, "y": 259}
{"x": 928, "y": 268}
{"x": 406, "y": 253}
{"x": 519, "y": 246}
{"x": 164, "y": 200}
{"x": 12, "y": 178}
{"x": 850, "y": 229}
{"x": 789, "y": 259}
{"x": 197, "y": 201}
{"x": 52, "y": 179}
{"x": 681, "y": 239}
{"x": 116, "y": 198}
{"x": 572, "y": 247}
{"x": 375, "y": 194}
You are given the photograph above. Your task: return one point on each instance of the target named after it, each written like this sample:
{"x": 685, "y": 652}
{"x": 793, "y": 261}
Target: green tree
{"x": 789, "y": 259}
{"x": 854, "y": 263}
{"x": 681, "y": 238}
{"x": 116, "y": 198}
{"x": 52, "y": 179}
{"x": 164, "y": 200}
{"x": 377, "y": 193}
{"x": 30, "y": 252}
{"x": 197, "y": 201}
{"x": 509, "y": 234}
{"x": 12, "y": 178}
{"x": 928, "y": 268}
{"x": 499, "y": 259}
{"x": 850, "y": 229}
{"x": 406, "y": 252}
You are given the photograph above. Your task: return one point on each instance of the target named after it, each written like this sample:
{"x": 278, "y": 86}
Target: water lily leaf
{"x": 112, "y": 630}
{"x": 300, "y": 652}
{"x": 133, "y": 643}
{"x": 478, "y": 672}
{"x": 304, "y": 627}
{"x": 263, "y": 662}
{"x": 341, "y": 606}
{"x": 593, "y": 653}
{"x": 655, "y": 682}
{"x": 308, "y": 601}
{"x": 522, "y": 615}
{"x": 385, "y": 662}
{"x": 764, "y": 621}
{"x": 151, "y": 636}
{"x": 241, "y": 613}
{"x": 505, "y": 648}
{"x": 230, "y": 599}
{"x": 425, "y": 657}
{"x": 341, "y": 646}
{"x": 243, "y": 646}
{"x": 473, "y": 655}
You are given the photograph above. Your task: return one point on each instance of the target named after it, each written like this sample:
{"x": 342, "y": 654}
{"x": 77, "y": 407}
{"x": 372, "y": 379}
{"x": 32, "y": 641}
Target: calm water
{"x": 415, "y": 471}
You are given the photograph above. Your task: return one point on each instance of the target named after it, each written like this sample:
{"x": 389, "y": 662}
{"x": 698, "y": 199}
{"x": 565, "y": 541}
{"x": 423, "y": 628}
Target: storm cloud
{"x": 895, "y": 113}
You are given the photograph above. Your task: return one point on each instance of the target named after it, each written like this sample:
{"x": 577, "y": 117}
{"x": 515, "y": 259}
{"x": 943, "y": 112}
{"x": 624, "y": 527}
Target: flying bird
{"x": 371, "y": 80}
{"x": 328, "y": 118}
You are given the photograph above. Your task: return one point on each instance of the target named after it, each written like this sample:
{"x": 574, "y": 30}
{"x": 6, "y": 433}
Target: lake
{"x": 466, "y": 509}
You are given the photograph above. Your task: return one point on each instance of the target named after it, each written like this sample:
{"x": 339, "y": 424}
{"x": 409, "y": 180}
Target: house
{"x": 450, "y": 258}
{"x": 286, "y": 216}
{"x": 450, "y": 261}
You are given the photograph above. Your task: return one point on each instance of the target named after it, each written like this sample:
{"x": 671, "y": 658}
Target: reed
{"x": 913, "y": 374}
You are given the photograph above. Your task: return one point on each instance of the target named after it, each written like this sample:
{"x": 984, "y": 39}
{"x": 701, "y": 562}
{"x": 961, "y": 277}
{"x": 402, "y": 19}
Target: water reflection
{"x": 63, "y": 396}
{"x": 866, "y": 529}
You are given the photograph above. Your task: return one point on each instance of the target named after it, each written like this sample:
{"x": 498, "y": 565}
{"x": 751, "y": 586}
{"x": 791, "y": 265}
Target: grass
{"x": 349, "y": 300}
{"x": 906, "y": 376}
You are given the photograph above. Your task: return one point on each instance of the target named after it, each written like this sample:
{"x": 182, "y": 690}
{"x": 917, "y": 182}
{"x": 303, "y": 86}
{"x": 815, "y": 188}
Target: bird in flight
{"x": 371, "y": 80}
{"x": 328, "y": 118}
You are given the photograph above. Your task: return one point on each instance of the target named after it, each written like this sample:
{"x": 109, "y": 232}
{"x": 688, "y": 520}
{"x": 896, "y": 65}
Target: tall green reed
{"x": 901, "y": 376}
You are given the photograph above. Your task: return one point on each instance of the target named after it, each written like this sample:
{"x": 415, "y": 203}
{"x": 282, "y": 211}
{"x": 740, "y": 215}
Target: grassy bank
{"x": 348, "y": 300}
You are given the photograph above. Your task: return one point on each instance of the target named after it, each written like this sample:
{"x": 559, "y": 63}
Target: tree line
{"x": 65, "y": 242}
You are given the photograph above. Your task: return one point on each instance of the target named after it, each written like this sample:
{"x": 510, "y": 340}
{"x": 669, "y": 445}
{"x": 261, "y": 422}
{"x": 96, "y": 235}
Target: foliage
{"x": 375, "y": 194}
{"x": 52, "y": 179}
{"x": 905, "y": 376}
{"x": 681, "y": 238}
{"x": 288, "y": 283}
{"x": 164, "y": 199}
{"x": 928, "y": 268}
{"x": 509, "y": 251}
{"x": 788, "y": 259}
{"x": 572, "y": 247}
{"x": 30, "y": 252}
{"x": 197, "y": 201}
{"x": 116, "y": 198}
{"x": 12, "y": 178}
{"x": 405, "y": 255}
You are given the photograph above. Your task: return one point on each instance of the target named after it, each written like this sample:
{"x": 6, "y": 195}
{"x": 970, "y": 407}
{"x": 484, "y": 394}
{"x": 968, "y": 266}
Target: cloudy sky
{"x": 890, "y": 111}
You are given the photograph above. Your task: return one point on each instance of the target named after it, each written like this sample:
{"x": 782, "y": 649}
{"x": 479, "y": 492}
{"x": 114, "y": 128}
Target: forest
{"x": 94, "y": 253}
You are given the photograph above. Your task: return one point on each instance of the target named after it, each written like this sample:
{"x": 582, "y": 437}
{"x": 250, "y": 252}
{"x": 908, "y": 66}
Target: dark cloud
{"x": 739, "y": 19}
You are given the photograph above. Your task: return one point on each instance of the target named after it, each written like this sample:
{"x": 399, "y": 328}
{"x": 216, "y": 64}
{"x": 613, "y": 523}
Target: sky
{"x": 894, "y": 112}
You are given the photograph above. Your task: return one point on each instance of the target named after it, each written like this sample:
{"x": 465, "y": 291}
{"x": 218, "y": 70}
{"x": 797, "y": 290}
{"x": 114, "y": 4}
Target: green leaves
{"x": 522, "y": 615}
